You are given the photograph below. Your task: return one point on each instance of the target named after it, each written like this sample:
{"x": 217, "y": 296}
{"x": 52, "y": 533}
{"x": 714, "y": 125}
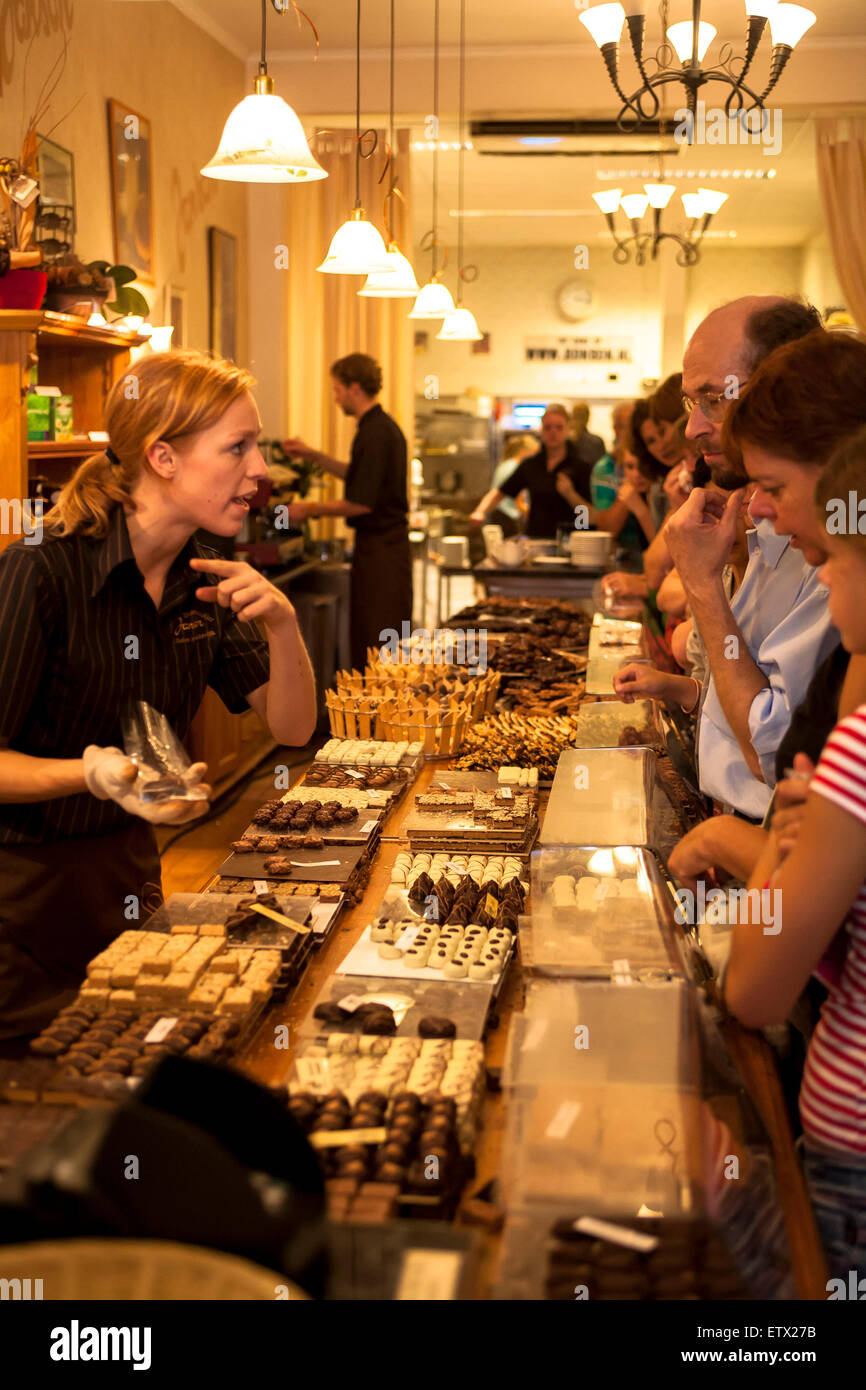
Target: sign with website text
{"x": 581, "y": 350}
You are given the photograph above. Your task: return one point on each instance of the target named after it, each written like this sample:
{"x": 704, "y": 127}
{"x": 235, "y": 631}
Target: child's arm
{"x": 774, "y": 951}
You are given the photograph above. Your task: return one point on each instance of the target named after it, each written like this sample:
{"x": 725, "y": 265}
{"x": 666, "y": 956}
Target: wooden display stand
{"x": 84, "y": 362}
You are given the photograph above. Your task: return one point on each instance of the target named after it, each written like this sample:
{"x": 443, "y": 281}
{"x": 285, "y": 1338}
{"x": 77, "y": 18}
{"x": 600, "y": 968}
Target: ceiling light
{"x": 659, "y": 194}
{"x": 434, "y": 302}
{"x": 608, "y": 201}
{"x": 712, "y": 201}
{"x": 397, "y": 282}
{"x": 459, "y": 327}
{"x": 788, "y": 24}
{"x": 356, "y": 249}
{"x": 604, "y": 22}
{"x": 682, "y": 37}
{"x": 693, "y": 204}
{"x": 634, "y": 205}
{"x": 263, "y": 141}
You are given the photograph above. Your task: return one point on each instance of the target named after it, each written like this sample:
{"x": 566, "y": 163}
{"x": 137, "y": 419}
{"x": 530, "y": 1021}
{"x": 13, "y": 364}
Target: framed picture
{"x": 174, "y": 312}
{"x": 482, "y": 344}
{"x": 131, "y": 190}
{"x": 222, "y": 266}
{"x": 56, "y": 176}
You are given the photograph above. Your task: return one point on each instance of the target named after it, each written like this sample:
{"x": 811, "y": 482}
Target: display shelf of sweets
{"x": 610, "y": 797}
{"x": 387, "y": 680}
{"x": 614, "y": 724}
{"x": 467, "y": 821}
{"x": 439, "y": 726}
{"x": 534, "y": 697}
{"x": 371, "y": 753}
{"x": 601, "y": 914}
{"x": 421, "y": 1008}
{"x": 311, "y": 817}
{"x": 564, "y": 625}
{"x": 395, "y": 1110}
{"x": 388, "y": 782}
{"x": 516, "y": 740}
{"x": 402, "y": 950}
{"x": 607, "y": 634}
{"x": 334, "y": 863}
{"x": 293, "y": 925}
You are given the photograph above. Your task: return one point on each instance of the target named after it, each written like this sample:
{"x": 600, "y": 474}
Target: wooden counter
{"x": 750, "y": 1051}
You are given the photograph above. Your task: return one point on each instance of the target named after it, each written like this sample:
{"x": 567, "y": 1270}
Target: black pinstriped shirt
{"x": 80, "y": 638}
{"x": 376, "y": 476}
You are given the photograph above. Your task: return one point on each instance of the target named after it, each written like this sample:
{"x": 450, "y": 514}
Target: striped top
{"x": 81, "y": 639}
{"x": 833, "y": 1090}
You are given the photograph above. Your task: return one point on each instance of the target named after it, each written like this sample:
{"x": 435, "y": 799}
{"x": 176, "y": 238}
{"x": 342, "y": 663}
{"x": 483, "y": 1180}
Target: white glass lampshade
{"x": 763, "y": 8}
{"x": 264, "y": 142}
{"x": 634, "y": 205}
{"x": 160, "y": 337}
{"x": 681, "y": 36}
{"x": 604, "y": 22}
{"x": 608, "y": 200}
{"x": 356, "y": 249}
{"x": 434, "y": 302}
{"x": 693, "y": 204}
{"x": 398, "y": 282}
{"x": 660, "y": 194}
{"x": 788, "y": 23}
{"x": 459, "y": 327}
{"x": 97, "y": 320}
{"x": 712, "y": 201}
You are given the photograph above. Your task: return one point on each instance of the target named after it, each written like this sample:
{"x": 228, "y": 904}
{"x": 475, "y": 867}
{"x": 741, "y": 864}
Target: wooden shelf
{"x": 62, "y": 448}
{"x": 53, "y": 325}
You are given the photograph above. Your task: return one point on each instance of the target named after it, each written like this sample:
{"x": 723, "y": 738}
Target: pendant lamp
{"x": 399, "y": 281}
{"x": 459, "y": 325}
{"x": 434, "y": 301}
{"x": 356, "y": 247}
{"x": 263, "y": 141}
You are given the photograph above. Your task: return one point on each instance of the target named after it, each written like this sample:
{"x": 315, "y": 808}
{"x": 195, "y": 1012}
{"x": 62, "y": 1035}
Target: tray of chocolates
{"x": 515, "y": 740}
{"x": 181, "y": 973}
{"x": 406, "y": 1114}
{"x": 401, "y": 950}
{"x": 90, "y": 1054}
{"x": 334, "y": 864}
{"x": 307, "y": 818}
{"x": 371, "y": 752}
{"x": 426, "y": 1007}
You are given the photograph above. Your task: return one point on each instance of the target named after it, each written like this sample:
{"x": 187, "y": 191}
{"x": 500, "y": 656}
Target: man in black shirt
{"x": 375, "y": 505}
{"x": 541, "y": 475}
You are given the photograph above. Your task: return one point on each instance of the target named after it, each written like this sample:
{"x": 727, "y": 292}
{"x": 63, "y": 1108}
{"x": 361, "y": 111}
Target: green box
{"x": 38, "y": 417}
{"x": 61, "y": 418}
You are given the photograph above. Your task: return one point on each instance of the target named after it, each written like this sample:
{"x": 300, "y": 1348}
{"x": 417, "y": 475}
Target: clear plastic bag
{"x": 162, "y": 761}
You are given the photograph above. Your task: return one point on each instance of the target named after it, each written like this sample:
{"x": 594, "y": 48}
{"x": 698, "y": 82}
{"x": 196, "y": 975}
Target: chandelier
{"x": 688, "y": 41}
{"x": 700, "y": 208}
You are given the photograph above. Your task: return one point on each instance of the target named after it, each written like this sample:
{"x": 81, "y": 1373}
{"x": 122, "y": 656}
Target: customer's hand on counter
{"x": 111, "y": 776}
{"x": 700, "y": 535}
{"x": 693, "y": 857}
{"x": 635, "y": 681}
{"x": 247, "y": 592}
{"x": 619, "y": 584}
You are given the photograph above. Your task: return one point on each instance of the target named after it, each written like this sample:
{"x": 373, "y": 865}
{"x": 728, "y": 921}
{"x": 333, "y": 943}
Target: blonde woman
{"x": 120, "y": 603}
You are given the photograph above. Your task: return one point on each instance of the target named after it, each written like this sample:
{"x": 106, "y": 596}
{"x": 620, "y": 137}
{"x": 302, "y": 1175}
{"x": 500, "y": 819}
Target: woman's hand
{"x": 111, "y": 776}
{"x": 692, "y": 858}
{"x": 247, "y": 592}
{"x": 619, "y": 585}
{"x": 638, "y": 682}
{"x": 790, "y": 806}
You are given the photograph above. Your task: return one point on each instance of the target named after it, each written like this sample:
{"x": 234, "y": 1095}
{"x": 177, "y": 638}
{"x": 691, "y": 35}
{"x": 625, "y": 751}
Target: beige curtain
{"x": 325, "y": 318}
{"x": 841, "y": 151}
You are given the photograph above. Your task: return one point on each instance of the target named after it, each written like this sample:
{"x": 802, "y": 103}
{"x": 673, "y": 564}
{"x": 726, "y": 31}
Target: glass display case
{"x": 601, "y": 914}
{"x": 609, "y": 797}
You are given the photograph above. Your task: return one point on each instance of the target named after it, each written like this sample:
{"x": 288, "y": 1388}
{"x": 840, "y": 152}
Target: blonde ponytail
{"x": 164, "y": 395}
{"x": 87, "y": 500}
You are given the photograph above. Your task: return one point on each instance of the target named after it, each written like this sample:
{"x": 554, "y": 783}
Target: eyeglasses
{"x": 712, "y": 407}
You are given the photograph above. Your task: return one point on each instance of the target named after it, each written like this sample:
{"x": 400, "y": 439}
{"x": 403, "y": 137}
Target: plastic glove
{"x": 111, "y": 776}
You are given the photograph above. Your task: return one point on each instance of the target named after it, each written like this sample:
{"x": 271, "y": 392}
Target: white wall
{"x": 515, "y": 297}
{"x": 819, "y": 283}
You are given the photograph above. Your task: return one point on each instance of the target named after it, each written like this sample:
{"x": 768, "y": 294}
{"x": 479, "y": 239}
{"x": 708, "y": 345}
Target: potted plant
{"x": 83, "y": 288}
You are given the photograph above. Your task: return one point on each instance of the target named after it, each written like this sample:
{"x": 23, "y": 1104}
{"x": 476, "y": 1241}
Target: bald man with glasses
{"x": 763, "y": 645}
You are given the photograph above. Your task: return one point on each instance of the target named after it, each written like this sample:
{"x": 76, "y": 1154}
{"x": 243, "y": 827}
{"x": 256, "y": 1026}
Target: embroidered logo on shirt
{"x": 193, "y": 627}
